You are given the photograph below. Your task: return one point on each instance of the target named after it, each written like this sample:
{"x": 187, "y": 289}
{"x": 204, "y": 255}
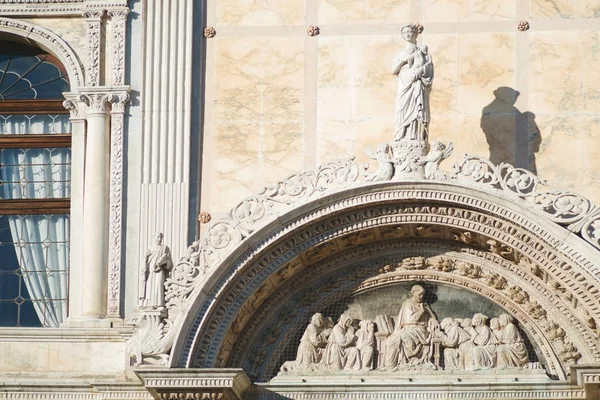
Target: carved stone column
{"x": 95, "y": 205}
{"x": 93, "y": 19}
{"x": 78, "y": 113}
{"x": 115, "y": 238}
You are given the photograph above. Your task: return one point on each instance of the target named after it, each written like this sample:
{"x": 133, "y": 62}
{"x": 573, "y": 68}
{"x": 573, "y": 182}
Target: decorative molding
{"x": 93, "y": 19}
{"x": 54, "y": 43}
{"x": 118, "y": 29}
{"x": 313, "y": 30}
{"x": 210, "y": 32}
{"x": 115, "y": 234}
{"x": 523, "y": 26}
{"x": 204, "y": 217}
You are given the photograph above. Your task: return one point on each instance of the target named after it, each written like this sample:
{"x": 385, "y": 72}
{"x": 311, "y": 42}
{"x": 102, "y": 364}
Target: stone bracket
{"x": 209, "y": 383}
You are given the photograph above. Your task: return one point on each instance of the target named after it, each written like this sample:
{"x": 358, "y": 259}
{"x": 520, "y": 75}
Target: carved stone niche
{"x": 413, "y": 327}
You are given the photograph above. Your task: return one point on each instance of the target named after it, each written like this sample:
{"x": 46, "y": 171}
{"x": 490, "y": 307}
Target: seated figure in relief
{"x": 365, "y": 342}
{"x": 311, "y": 348}
{"x": 511, "y": 351}
{"x": 483, "y": 353}
{"x": 410, "y": 344}
{"x": 453, "y": 342}
{"x": 341, "y": 352}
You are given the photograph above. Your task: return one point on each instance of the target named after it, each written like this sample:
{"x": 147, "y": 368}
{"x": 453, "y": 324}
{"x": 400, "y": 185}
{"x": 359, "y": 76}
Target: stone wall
{"x": 279, "y": 100}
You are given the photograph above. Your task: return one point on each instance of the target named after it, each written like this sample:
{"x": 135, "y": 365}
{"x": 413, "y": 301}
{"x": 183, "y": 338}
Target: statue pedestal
{"x": 408, "y": 158}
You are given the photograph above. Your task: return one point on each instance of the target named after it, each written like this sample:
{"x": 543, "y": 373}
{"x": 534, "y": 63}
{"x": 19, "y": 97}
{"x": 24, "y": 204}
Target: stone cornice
{"x": 225, "y": 383}
{"x": 64, "y": 334}
{"x": 56, "y": 8}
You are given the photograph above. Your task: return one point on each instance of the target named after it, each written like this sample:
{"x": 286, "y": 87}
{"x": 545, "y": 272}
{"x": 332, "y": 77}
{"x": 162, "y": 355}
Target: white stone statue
{"x": 365, "y": 342}
{"x": 312, "y": 346}
{"x": 414, "y": 69}
{"x": 511, "y": 351}
{"x": 410, "y": 344}
{"x": 483, "y": 354}
{"x": 341, "y": 352}
{"x": 156, "y": 267}
{"x": 454, "y": 341}
{"x": 439, "y": 152}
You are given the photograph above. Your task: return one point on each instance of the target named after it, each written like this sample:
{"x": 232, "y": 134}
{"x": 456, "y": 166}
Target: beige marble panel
{"x": 349, "y": 12}
{"x": 260, "y": 13}
{"x": 589, "y": 8}
{"x": 62, "y": 356}
{"x": 469, "y": 10}
{"x": 560, "y": 157}
{"x": 590, "y": 43}
{"x": 486, "y": 62}
{"x": 355, "y": 95}
{"x": 564, "y": 9}
{"x": 258, "y": 116}
{"x": 555, "y": 72}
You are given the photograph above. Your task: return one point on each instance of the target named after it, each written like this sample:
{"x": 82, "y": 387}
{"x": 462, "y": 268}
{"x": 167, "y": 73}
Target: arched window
{"x": 35, "y": 169}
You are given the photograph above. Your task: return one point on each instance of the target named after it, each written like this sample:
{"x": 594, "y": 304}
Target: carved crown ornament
{"x": 230, "y": 282}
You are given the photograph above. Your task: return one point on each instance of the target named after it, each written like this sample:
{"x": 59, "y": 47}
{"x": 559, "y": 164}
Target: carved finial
{"x": 210, "y": 32}
{"x": 313, "y": 30}
{"x": 523, "y": 26}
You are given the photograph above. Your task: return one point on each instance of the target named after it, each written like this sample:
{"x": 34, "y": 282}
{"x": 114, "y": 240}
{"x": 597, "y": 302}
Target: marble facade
{"x": 201, "y": 123}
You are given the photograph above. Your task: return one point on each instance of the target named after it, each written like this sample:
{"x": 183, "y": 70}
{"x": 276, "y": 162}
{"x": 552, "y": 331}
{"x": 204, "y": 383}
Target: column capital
{"x": 118, "y": 14}
{"x": 76, "y": 107}
{"x": 98, "y": 98}
{"x": 93, "y": 14}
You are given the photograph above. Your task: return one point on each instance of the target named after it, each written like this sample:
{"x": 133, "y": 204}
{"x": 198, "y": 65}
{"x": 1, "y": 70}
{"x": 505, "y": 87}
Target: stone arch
{"x": 504, "y": 226}
{"x": 50, "y": 42}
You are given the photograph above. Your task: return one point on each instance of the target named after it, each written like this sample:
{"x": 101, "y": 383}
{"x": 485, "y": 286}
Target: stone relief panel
{"x": 406, "y": 327}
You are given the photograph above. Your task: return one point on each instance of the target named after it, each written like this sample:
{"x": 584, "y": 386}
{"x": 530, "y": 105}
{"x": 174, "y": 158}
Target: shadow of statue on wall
{"x": 512, "y": 135}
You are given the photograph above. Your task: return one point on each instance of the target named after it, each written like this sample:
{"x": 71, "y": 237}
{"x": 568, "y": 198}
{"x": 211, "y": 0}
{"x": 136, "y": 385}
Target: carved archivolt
{"x": 504, "y": 239}
{"x": 50, "y": 41}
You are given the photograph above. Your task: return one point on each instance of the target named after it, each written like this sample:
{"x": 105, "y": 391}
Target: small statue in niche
{"x": 156, "y": 267}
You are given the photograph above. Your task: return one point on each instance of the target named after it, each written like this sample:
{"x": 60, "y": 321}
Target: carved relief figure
{"x": 156, "y": 267}
{"x": 483, "y": 354}
{"x": 365, "y": 342}
{"x": 411, "y": 341}
{"x": 341, "y": 352}
{"x": 432, "y": 161}
{"x": 312, "y": 345}
{"x": 414, "y": 68}
{"x": 453, "y": 342}
{"x": 512, "y": 352}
